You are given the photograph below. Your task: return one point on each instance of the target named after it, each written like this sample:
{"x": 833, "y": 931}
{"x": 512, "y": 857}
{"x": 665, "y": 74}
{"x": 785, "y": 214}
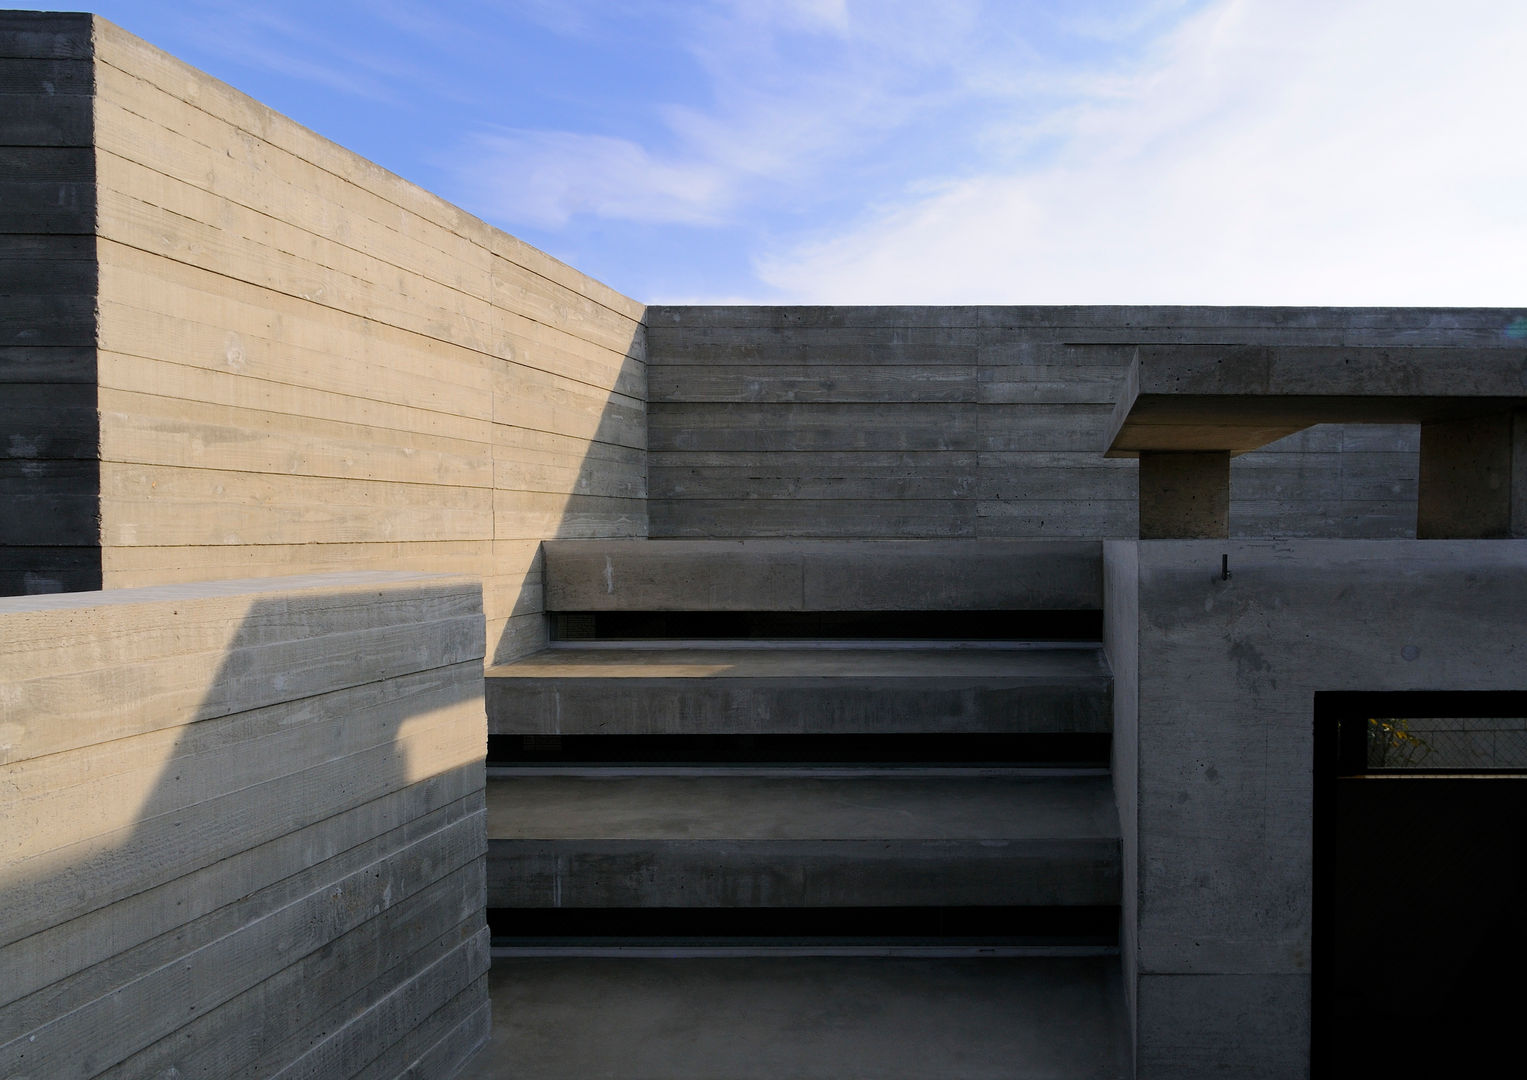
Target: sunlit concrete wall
{"x": 300, "y": 361}
{"x": 1214, "y": 730}
{"x": 244, "y": 829}
{"x": 942, "y": 422}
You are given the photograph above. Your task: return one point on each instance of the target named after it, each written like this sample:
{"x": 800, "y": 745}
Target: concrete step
{"x": 809, "y": 1018}
{"x": 823, "y": 575}
{"x": 798, "y": 840}
{"x": 710, "y": 688}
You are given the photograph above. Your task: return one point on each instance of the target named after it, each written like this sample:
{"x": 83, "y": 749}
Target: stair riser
{"x": 785, "y": 575}
{"x": 794, "y": 874}
{"x": 718, "y": 706}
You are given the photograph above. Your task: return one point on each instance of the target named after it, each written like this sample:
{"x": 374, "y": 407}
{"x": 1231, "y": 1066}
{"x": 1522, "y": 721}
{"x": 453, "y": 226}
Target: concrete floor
{"x": 783, "y": 1018}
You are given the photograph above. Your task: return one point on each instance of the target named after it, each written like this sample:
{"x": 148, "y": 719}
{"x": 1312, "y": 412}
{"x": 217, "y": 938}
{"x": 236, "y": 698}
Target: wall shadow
{"x": 227, "y": 859}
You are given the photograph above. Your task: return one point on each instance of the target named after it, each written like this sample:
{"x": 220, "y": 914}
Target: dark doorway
{"x": 1420, "y": 903}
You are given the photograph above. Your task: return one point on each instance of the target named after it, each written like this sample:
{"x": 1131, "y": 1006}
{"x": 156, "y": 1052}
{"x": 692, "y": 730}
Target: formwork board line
{"x": 296, "y": 1005}
{"x": 160, "y": 849}
{"x": 94, "y": 829}
{"x": 96, "y": 936}
{"x": 155, "y": 1003}
{"x": 158, "y": 69}
{"x": 401, "y": 1010}
{"x": 77, "y": 808}
{"x": 176, "y": 696}
{"x": 61, "y": 987}
{"x": 111, "y": 99}
{"x": 424, "y": 1041}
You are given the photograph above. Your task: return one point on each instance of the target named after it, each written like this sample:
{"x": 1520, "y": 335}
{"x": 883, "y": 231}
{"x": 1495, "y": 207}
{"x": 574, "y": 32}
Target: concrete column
{"x": 1184, "y": 495}
{"x": 1473, "y": 478}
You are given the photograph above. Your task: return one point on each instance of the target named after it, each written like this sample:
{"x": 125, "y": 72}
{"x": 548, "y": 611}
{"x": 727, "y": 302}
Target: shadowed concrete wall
{"x": 244, "y": 829}
{"x": 304, "y": 363}
{"x": 1214, "y": 685}
{"x": 49, "y": 475}
{"x": 988, "y": 421}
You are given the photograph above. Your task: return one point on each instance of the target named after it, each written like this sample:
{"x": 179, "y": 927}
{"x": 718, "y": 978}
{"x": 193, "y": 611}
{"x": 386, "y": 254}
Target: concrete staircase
{"x": 820, "y": 747}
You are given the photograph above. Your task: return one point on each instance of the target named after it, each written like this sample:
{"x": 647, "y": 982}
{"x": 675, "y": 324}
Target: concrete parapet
{"x": 245, "y": 828}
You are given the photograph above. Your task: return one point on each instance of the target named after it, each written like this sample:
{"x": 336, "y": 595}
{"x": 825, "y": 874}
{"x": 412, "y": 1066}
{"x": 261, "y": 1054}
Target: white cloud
{"x": 544, "y": 178}
{"x": 1266, "y": 151}
{"x": 792, "y": 88}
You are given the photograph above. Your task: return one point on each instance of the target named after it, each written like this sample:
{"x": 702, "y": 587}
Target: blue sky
{"x": 963, "y": 151}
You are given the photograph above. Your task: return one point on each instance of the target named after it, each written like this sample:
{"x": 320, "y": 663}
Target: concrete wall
{"x": 1224, "y": 675}
{"x": 49, "y": 478}
{"x": 305, "y": 363}
{"x": 244, "y": 829}
{"x": 986, "y": 421}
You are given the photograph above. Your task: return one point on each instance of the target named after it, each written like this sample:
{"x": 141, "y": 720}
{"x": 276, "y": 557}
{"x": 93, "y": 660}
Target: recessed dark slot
{"x": 1420, "y": 877}
{"x": 1094, "y": 926}
{"x": 1048, "y": 748}
{"x": 893, "y": 625}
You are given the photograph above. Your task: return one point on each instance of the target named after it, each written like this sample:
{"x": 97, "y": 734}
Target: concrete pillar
{"x": 1184, "y": 495}
{"x": 1473, "y": 478}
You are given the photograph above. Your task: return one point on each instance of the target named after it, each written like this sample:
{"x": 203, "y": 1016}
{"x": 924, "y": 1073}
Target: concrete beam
{"x": 1239, "y": 398}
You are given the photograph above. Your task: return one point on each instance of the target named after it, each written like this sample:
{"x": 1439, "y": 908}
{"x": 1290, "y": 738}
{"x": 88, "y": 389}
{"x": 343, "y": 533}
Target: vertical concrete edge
{"x": 1121, "y": 638}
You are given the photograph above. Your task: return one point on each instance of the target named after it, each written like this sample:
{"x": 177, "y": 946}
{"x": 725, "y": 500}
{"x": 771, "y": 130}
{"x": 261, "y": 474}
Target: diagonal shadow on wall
{"x": 244, "y": 828}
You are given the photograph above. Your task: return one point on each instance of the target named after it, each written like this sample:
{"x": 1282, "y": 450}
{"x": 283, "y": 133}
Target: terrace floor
{"x": 782, "y": 1016}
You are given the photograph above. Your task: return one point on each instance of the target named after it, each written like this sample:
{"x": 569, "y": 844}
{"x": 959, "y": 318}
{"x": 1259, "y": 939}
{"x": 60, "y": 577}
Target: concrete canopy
{"x": 1236, "y": 398}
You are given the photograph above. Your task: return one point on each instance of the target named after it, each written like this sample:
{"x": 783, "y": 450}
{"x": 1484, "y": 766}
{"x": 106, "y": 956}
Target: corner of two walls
{"x": 301, "y": 362}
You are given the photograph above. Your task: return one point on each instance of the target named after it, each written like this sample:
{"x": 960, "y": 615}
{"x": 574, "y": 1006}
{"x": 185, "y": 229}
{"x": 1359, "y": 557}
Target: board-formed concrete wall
{"x": 303, "y": 363}
{"x": 907, "y": 422}
{"x": 1215, "y": 684}
{"x": 244, "y": 829}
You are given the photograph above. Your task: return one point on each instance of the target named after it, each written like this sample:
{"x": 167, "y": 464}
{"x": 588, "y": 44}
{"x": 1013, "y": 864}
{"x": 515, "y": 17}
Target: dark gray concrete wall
{"x": 245, "y": 829}
{"x": 917, "y": 422}
{"x": 49, "y": 475}
{"x": 1224, "y": 674}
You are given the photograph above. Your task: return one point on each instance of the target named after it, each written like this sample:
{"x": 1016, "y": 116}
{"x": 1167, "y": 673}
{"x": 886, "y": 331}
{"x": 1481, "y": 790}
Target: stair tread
{"x": 980, "y": 809}
{"x": 1080, "y": 664}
